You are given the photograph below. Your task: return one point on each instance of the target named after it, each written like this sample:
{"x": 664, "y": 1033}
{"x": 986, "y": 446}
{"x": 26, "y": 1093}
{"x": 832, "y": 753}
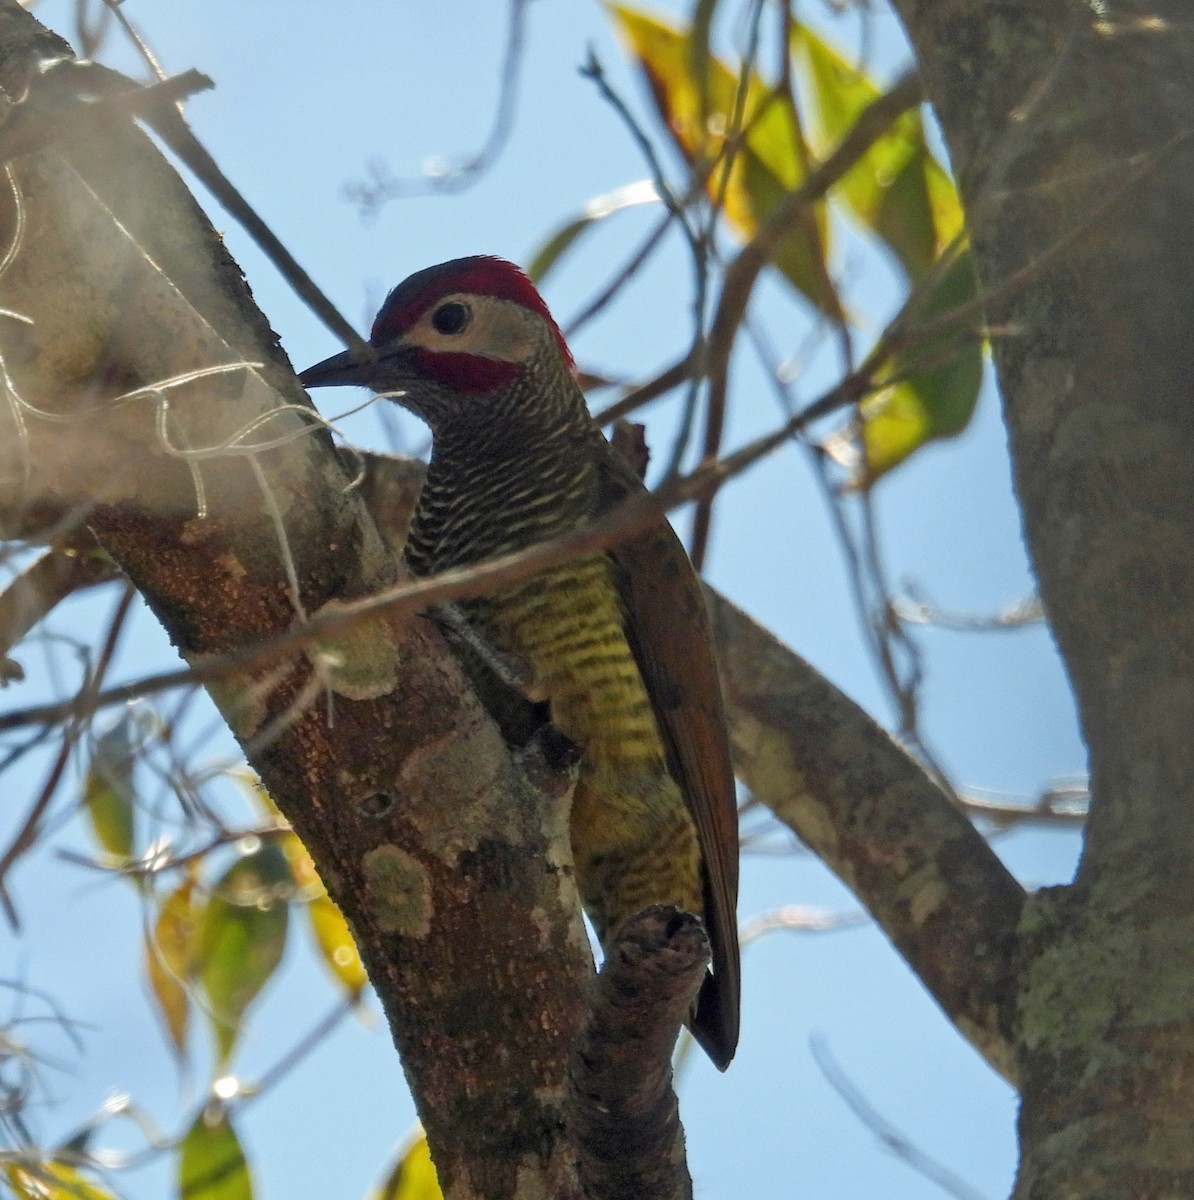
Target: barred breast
{"x": 634, "y": 842}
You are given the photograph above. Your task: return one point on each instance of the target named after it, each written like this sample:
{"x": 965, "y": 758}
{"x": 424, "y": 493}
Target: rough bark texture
{"x": 1063, "y": 117}
{"x": 627, "y": 1118}
{"x": 855, "y": 797}
{"x": 449, "y": 859}
{"x": 1069, "y": 125}
{"x": 862, "y": 804}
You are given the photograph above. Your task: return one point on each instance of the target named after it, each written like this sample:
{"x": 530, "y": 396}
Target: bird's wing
{"x": 667, "y": 627}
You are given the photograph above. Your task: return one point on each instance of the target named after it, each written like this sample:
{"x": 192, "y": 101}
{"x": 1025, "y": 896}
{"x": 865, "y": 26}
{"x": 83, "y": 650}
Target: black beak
{"x": 345, "y": 368}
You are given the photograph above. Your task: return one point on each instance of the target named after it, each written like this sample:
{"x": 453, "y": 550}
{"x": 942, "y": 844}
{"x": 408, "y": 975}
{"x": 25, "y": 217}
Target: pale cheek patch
{"x": 498, "y": 330}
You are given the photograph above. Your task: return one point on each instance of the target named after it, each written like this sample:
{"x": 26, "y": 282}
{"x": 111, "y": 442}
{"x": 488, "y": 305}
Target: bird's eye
{"x": 451, "y": 317}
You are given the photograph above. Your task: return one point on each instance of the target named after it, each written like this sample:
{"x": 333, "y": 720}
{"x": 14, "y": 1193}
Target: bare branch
{"x": 898, "y": 1143}
{"x": 1063, "y": 804}
{"x": 667, "y": 379}
{"x": 916, "y": 609}
{"x": 625, "y": 1112}
{"x": 457, "y": 176}
{"x": 880, "y": 823}
{"x": 41, "y": 586}
{"x": 860, "y": 802}
{"x": 32, "y": 129}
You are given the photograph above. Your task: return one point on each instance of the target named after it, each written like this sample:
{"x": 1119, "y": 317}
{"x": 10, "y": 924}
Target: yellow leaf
{"x": 702, "y": 101}
{"x": 336, "y": 944}
{"x": 51, "y": 1181}
{"x": 170, "y": 957}
{"x": 413, "y": 1176}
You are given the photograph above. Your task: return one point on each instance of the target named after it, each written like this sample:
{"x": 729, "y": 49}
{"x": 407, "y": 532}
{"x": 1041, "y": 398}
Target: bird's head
{"x": 467, "y": 340}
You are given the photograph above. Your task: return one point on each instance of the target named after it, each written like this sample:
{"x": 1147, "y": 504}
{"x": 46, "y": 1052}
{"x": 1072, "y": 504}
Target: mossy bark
{"x": 1070, "y": 130}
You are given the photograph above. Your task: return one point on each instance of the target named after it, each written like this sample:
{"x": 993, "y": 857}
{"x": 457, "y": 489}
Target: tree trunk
{"x": 1070, "y": 130}
{"x": 147, "y": 398}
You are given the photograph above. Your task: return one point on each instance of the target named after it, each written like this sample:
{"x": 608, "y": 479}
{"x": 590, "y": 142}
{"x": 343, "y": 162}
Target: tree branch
{"x": 625, "y": 1112}
{"x": 1048, "y": 110}
{"x": 836, "y": 778}
{"x": 45, "y": 583}
{"x": 144, "y": 383}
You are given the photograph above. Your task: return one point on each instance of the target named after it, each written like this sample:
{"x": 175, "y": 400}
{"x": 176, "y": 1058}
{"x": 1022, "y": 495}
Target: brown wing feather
{"x": 668, "y": 630}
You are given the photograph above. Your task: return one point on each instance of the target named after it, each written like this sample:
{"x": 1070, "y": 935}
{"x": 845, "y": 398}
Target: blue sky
{"x": 307, "y": 94}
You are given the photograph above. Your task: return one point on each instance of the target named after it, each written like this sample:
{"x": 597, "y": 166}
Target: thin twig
{"x": 621, "y": 277}
{"x": 667, "y": 379}
{"x": 898, "y": 1143}
{"x": 26, "y": 836}
{"x": 371, "y": 196}
{"x": 698, "y": 244}
{"x": 32, "y": 127}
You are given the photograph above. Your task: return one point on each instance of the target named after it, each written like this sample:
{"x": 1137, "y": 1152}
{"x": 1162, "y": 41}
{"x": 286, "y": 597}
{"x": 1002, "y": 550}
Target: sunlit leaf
{"x": 595, "y": 211}
{"x": 302, "y": 869}
{"x": 243, "y": 937}
{"x": 902, "y": 194}
{"x": 412, "y": 1176}
{"x": 333, "y": 939}
{"x": 897, "y": 189}
{"x": 211, "y": 1164}
{"x": 934, "y": 388}
{"x": 171, "y": 957}
{"x": 52, "y": 1181}
{"x": 256, "y": 792}
{"x": 108, "y": 794}
{"x": 760, "y": 191}
{"x": 336, "y": 944}
{"x": 697, "y": 97}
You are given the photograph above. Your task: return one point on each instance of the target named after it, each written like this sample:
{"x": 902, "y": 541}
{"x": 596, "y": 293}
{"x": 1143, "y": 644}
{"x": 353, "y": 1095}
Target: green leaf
{"x": 52, "y": 1181}
{"x": 934, "y": 383}
{"x": 697, "y": 97}
{"x": 762, "y": 191}
{"x": 413, "y": 1176}
{"x": 243, "y": 937}
{"x": 897, "y": 189}
{"x": 170, "y": 957}
{"x": 211, "y": 1164}
{"x": 333, "y": 939}
{"x": 108, "y": 794}
{"x": 903, "y": 195}
{"x": 699, "y": 37}
{"x": 595, "y": 211}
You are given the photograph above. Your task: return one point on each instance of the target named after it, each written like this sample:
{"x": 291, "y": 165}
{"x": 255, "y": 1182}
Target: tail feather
{"x": 714, "y": 1027}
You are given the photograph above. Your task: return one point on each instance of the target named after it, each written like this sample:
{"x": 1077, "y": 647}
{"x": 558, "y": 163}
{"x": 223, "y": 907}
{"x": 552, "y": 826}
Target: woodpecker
{"x": 616, "y": 643}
